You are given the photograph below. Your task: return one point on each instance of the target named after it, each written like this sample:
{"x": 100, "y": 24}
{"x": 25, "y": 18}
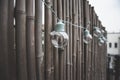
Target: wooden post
{"x": 30, "y": 43}
{"x": 48, "y": 27}
{"x": 4, "y": 75}
{"x": 38, "y": 38}
{"x": 20, "y": 16}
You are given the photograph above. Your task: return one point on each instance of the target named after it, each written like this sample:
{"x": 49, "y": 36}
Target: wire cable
{"x": 59, "y": 18}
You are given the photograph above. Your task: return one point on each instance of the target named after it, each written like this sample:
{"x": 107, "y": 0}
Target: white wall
{"x": 113, "y": 38}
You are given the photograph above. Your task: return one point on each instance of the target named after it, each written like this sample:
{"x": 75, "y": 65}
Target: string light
{"x": 87, "y": 35}
{"x": 59, "y": 37}
{"x": 96, "y": 31}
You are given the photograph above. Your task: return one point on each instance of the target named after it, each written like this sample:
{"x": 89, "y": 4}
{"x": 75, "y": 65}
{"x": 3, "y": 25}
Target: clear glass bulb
{"x": 97, "y": 32}
{"x": 59, "y": 39}
{"x": 87, "y": 36}
{"x": 104, "y": 39}
{"x": 101, "y": 41}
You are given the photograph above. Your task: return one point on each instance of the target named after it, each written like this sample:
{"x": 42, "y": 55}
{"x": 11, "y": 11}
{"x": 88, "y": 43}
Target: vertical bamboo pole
{"x": 11, "y": 41}
{"x": 70, "y": 38}
{"x": 21, "y": 40}
{"x": 79, "y": 40}
{"x": 64, "y": 10}
{"x": 74, "y": 29}
{"x": 60, "y": 52}
{"x": 82, "y": 45}
{"x": 91, "y": 46}
{"x": 30, "y": 45}
{"x": 86, "y": 47}
{"x": 4, "y": 75}
{"x": 68, "y": 46}
{"x": 38, "y": 38}
{"x": 94, "y": 43}
{"x": 48, "y": 26}
{"x": 55, "y": 51}
{"x": 96, "y": 52}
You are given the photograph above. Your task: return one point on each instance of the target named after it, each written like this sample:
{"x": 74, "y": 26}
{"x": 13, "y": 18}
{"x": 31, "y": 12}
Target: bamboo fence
{"x": 24, "y": 57}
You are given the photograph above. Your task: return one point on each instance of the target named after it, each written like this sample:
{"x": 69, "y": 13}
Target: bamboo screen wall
{"x": 22, "y": 56}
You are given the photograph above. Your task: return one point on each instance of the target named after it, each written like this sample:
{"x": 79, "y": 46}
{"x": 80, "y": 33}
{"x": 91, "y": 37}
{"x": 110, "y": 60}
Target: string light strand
{"x": 59, "y": 18}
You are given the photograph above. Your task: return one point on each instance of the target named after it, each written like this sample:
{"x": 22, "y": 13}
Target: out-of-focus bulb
{"x": 96, "y": 31}
{"x": 104, "y": 39}
{"x": 87, "y": 36}
{"x": 101, "y": 41}
{"x": 59, "y": 37}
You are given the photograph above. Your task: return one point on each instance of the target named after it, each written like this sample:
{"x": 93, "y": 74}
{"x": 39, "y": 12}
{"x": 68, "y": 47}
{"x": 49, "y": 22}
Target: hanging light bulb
{"x": 87, "y": 36}
{"x": 102, "y": 31}
{"x": 59, "y": 37}
{"x": 101, "y": 41}
{"x": 96, "y": 31}
{"x": 104, "y": 39}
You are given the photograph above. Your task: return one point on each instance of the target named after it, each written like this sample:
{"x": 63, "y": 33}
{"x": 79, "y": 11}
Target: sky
{"x": 109, "y": 13}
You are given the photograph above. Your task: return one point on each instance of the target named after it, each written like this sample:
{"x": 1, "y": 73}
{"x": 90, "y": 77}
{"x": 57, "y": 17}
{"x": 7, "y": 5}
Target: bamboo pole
{"x": 30, "y": 44}
{"x": 64, "y": 10}
{"x": 60, "y": 51}
{"x": 38, "y": 38}
{"x": 94, "y": 43}
{"x": 91, "y": 46}
{"x": 55, "y": 50}
{"x": 68, "y": 46}
{"x": 77, "y": 42}
{"x": 84, "y": 45}
{"x": 20, "y": 16}
{"x": 48, "y": 27}
{"x": 70, "y": 38}
{"x": 88, "y": 51}
{"x": 74, "y": 29}
{"x": 4, "y": 75}
{"x": 11, "y": 41}
{"x": 80, "y": 39}
{"x": 82, "y": 36}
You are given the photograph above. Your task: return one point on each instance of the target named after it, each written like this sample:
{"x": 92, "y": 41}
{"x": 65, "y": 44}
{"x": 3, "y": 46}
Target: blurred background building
{"x": 113, "y": 50}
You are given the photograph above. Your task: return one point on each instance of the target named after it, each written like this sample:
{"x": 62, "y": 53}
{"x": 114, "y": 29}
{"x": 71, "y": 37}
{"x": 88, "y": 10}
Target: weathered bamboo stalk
{"x": 68, "y": 46}
{"x": 55, "y": 50}
{"x": 60, "y": 52}
{"x": 91, "y": 45}
{"x": 80, "y": 39}
{"x": 70, "y": 38}
{"x": 20, "y": 16}
{"x": 84, "y": 45}
{"x": 48, "y": 27}
{"x": 4, "y": 73}
{"x": 38, "y": 38}
{"x": 74, "y": 29}
{"x": 30, "y": 43}
{"x": 64, "y": 10}
{"x": 94, "y": 43}
{"x": 11, "y": 41}
{"x": 88, "y": 51}
{"x": 77, "y": 42}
